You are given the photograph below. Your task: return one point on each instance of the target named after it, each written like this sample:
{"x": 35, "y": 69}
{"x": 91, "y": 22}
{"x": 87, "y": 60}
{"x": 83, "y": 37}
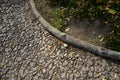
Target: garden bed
{"x": 85, "y": 28}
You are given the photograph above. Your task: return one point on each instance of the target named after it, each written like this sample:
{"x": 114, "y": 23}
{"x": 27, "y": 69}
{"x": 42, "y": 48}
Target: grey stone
{"x": 65, "y": 63}
{"x": 50, "y": 66}
{"x": 71, "y": 77}
{"x": 44, "y": 70}
{"x": 63, "y": 75}
{"x": 32, "y": 64}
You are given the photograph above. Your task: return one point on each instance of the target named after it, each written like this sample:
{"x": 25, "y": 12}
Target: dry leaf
{"x": 68, "y": 29}
{"x": 103, "y": 79}
{"x": 97, "y": 75}
{"x": 115, "y": 76}
{"x": 71, "y": 54}
{"x": 49, "y": 47}
{"x": 111, "y": 11}
{"x": 101, "y": 38}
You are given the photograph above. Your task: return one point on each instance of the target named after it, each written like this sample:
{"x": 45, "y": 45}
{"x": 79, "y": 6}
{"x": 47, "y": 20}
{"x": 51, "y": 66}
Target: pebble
{"x": 19, "y": 58}
{"x": 65, "y": 63}
{"x": 50, "y": 66}
{"x": 71, "y": 77}
{"x": 63, "y": 75}
{"x": 64, "y": 46}
{"x": 32, "y": 64}
{"x": 44, "y": 70}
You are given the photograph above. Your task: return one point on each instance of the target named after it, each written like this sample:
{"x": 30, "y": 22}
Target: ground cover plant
{"x": 107, "y": 11}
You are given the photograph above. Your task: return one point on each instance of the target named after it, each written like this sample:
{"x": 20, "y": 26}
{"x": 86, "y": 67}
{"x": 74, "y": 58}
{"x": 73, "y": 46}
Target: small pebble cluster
{"x": 28, "y": 52}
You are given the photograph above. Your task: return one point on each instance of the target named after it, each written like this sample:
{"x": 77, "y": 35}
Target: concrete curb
{"x": 73, "y": 41}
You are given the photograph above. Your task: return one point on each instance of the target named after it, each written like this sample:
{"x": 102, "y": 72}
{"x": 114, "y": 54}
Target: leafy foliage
{"x": 108, "y": 11}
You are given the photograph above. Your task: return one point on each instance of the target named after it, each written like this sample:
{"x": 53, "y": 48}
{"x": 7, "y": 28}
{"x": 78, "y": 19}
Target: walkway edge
{"x": 73, "y": 41}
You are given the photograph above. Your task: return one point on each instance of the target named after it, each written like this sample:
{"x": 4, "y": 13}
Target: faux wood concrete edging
{"x": 73, "y": 41}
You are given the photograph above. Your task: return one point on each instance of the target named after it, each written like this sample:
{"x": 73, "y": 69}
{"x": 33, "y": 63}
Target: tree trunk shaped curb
{"x": 73, "y": 41}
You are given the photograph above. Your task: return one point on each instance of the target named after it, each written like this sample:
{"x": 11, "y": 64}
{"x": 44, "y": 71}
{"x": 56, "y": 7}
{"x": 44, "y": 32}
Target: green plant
{"x": 58, "y": 23}
{"x": 107, "y": 11}
{"x": 64, "y": 3}
{"x": 113, "y": 40}
{"x": 58, "y": 19}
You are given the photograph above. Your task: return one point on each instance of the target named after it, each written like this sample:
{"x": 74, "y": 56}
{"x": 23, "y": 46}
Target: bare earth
{"x": 88, "y": 31}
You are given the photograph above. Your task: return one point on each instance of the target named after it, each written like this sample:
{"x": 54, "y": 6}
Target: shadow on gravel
{"x": 109, "y": 60}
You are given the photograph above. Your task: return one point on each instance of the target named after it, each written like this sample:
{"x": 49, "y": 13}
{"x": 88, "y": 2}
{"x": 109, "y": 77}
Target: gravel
{"x": 28, "y": 52}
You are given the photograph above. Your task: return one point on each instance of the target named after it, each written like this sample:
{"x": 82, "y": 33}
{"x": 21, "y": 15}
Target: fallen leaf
{"x": 106, "y": 22}
{"x": 71, "y": 54}
{"x": 101, "y": 38}
{"x": 49, "y": 47}
{"x": 97, "y": 75}
{"x": 68, "y": 29}
{"x": 115, "y": 76}
{"x": 103, "y": 79}
{"x": 111, "y": 11}
{"x": 113, "y": 16}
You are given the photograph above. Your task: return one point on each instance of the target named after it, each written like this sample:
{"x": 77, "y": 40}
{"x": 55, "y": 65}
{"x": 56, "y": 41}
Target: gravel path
{"x": 28, "y": 52}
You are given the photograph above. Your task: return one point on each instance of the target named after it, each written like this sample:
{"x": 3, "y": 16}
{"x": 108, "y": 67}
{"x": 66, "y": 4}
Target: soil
{"x": 88, "y": 31}
{"x": 82, "y": 30}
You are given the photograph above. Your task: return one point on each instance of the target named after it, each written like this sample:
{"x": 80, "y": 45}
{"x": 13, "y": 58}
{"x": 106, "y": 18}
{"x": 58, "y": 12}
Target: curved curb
{"x": 73, "y": 41}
